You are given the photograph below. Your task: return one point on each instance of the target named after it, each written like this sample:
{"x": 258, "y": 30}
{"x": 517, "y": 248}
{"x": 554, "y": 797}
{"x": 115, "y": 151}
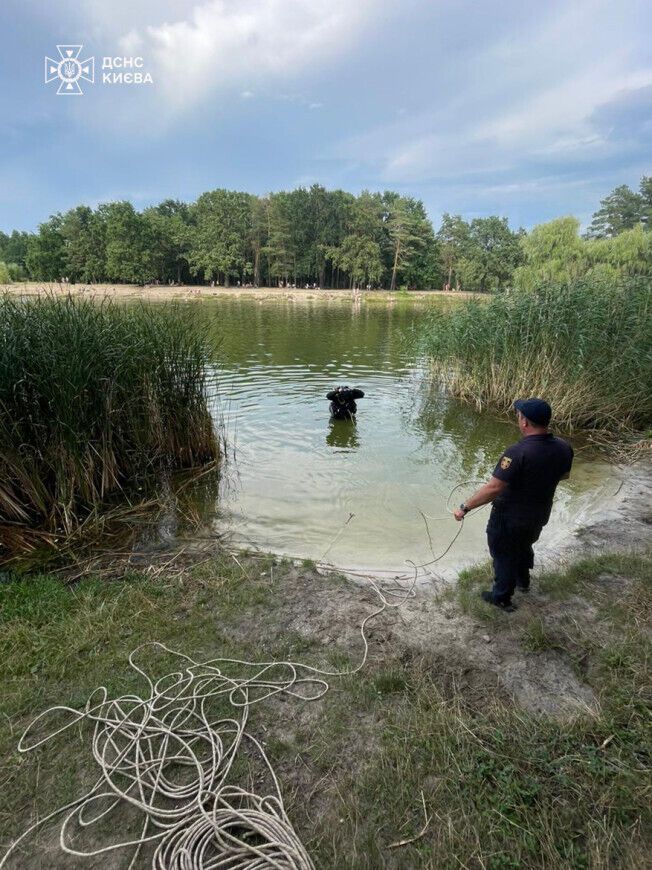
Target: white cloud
{"x": 199, "y": 49}
{"x": 563, "y": 110}
{"x": 469, "y": 101}
{"x": 532, "y": 185}
{"x": 221, "y": 44}
{"x": 529, "y": 97}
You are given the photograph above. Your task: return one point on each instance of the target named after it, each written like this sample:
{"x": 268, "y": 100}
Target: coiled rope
{"x": 170, "y": 755}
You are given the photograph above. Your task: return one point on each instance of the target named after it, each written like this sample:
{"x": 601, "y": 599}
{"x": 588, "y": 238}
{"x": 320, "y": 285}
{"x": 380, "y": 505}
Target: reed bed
{"x": 95, "y": 399}
{"x": 586, "y": 348}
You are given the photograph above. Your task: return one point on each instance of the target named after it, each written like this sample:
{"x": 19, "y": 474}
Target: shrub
{"x": 93, "y": 398}
{"x": 585, "y": 347}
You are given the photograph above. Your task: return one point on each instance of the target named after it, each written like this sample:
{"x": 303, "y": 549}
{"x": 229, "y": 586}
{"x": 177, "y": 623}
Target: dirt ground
{"x": 180, "y": 292}
{"x": 488, "y": 658}
{"x": 480, "y": 659}
{"x": 484, "y": 658}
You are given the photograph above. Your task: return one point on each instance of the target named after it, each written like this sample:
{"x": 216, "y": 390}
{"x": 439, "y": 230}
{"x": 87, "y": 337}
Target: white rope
{"x": 141, "y": 745}
{"x": 200, "y": 821}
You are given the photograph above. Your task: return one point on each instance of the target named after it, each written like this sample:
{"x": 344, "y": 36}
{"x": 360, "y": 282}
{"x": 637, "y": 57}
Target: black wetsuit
{"x": 532, "y": 469}
{"x": 343, "y": 406}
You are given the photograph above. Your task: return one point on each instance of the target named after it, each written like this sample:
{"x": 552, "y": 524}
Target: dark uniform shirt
{"x": 532, "y": 469}
{"x": 343, "y": 404}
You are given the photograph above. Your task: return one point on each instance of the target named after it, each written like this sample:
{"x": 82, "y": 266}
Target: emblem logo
{"x": 69, "y": 70}
{"x": 505, "y": 462}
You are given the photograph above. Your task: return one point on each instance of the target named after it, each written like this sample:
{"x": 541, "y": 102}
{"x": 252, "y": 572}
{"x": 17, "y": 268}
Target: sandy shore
{"x": 183, "y": 292}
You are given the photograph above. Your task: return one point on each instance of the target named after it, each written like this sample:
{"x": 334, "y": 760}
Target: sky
{"x": 520, "y": 108}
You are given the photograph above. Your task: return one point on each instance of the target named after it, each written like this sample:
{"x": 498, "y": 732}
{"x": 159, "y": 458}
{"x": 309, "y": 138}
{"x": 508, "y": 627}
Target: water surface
{"x": 298, "y": 477}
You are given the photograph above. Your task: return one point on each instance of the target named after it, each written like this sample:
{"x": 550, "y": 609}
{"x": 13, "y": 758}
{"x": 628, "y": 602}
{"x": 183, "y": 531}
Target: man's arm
{"x": 568, "y": 463}
{"x": 484, "y": 495}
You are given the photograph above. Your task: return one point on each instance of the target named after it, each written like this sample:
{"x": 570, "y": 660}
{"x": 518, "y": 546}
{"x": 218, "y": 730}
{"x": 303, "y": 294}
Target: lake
{"x": 297, "y": 476}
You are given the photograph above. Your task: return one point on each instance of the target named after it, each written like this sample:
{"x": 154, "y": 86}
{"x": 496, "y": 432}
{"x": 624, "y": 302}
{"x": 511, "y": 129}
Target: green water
{"x": 297, "y": 476}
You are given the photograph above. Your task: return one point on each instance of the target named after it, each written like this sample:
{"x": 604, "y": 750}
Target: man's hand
{"x": 484, "y": 495}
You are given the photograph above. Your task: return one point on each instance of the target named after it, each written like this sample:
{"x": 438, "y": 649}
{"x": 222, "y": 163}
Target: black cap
{"x": 537, "y": 411}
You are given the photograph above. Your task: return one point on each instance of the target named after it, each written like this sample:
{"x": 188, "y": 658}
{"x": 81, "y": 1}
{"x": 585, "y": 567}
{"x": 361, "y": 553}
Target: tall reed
{"x": 586, "y": 348}
{"x": 94, "y": 397}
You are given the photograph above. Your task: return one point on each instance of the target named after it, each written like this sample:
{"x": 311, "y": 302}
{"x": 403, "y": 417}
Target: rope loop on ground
{"x": 169, "y": 755}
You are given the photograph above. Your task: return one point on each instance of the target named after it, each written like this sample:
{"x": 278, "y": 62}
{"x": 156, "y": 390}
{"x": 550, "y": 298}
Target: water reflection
{"x": 343, "y": 434}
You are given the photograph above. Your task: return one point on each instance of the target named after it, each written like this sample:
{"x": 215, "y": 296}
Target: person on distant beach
{"x": 521, "y": 489}
{"x": 342, "y": 399}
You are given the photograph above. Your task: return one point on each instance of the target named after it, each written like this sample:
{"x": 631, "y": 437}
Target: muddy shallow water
{"x": 298, "y": 477}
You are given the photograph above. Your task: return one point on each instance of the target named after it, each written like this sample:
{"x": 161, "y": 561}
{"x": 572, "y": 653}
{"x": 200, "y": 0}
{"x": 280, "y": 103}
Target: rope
{"x": 142, "y": 745}
{"x": 169, "y": 755}
{"x": 353, "y": 572}
{"x": 336, "y": 538}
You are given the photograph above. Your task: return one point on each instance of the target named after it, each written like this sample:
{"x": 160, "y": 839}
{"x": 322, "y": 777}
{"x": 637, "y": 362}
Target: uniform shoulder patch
{"x": 505, "y": 462}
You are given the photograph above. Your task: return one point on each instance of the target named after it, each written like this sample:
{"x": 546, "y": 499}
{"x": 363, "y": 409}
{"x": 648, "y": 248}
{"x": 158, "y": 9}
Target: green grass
{"x": 575, "y": 577}
{"x": 466, "y": 593}
{"x": 537, "y": 637}
{"x": 94, "y": 399}
{"x": 503, "y": 788}
{"x": 585, "y": 348}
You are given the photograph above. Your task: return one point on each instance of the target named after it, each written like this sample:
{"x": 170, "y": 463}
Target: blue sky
{"x": 526, "y": 109}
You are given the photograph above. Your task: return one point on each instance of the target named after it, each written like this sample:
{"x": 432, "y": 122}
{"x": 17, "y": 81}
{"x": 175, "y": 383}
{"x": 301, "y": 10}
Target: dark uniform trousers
{"x": 510, "y": 545}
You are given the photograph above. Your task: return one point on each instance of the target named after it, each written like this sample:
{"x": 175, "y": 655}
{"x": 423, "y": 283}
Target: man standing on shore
{"x": 521, "y": 489}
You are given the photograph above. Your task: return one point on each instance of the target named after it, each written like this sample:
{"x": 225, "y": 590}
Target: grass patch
{"x": 466, "y": 593}
{"x": 503, "y": 788}
{"x": 537, "y": 637}
{"x": 586, "y": 572}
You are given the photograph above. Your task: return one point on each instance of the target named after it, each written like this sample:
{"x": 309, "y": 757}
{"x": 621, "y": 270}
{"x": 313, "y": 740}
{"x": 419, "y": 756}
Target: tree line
{"x": 325, "y": 238}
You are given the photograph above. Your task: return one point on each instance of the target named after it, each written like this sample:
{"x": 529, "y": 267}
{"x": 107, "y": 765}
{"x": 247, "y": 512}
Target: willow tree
{"x": 552, "y": 251}
{"x": 628, "y": 255}
{"x": 645, "y": 189}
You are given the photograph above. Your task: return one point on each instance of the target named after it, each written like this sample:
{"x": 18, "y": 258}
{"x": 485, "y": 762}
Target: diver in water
{"x": 342, "y": 399}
